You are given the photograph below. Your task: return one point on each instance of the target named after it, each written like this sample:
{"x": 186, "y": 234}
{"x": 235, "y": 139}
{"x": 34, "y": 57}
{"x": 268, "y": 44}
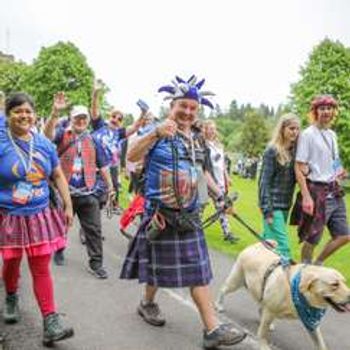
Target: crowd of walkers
{"x": 71, "y": 165}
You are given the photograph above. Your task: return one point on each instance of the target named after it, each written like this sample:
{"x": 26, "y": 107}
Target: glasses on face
{"x": 117, "y": 117}
{"x": 80, "y": 118}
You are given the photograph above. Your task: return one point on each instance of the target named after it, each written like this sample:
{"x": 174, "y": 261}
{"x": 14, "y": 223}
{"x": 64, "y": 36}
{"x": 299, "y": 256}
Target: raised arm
{"x": 139, "y": 149}
{"x": 59, "y": 103}
{"x": 95, "y": 100}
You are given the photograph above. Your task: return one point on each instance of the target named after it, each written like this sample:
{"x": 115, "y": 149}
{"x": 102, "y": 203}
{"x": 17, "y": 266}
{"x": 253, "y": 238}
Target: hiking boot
{"x": 230, "y": 237}
{"x": 58, "y": 258}
{"x": 99, "y": 272}
{"x": 11, "y": 309}
{"x": 223, "y": 335}
{"x": 54, "y": 330}
{"x": 151, "y": 313}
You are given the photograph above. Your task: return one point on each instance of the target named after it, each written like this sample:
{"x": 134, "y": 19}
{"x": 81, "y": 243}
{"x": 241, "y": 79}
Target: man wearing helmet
{"x": 322, "y": 201}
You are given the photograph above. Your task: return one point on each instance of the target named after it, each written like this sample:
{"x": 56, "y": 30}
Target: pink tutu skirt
{"x": 38, "y": 234}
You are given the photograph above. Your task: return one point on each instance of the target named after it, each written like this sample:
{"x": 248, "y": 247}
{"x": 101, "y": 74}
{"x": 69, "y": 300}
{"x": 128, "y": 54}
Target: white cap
{"x": 79, "y": 111}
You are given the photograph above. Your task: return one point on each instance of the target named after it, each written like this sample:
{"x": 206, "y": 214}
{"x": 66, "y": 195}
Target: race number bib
{"x": 77, "y": 165}
{"x": 22, "y": 193}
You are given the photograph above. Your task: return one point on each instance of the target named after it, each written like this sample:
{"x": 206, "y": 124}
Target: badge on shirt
{"x": 194, "y": 175}
{"x": 337, "y": 166}
{"x": 22, "y": 192}
{"x": 77, "y": 165}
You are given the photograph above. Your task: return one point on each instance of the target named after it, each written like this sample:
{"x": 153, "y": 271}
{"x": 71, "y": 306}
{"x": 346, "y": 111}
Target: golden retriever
{"x": 320, "y": 286}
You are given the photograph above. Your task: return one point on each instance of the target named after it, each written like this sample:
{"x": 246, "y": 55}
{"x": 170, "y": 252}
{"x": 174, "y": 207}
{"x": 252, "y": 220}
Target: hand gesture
{"x": 98, "y": 85}
{"x": 167, "y": 129}
{"x": 59, "y": 103}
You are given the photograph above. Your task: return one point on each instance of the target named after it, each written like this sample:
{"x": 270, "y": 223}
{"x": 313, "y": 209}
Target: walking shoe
{"x": 99, "y": 272}
{"x": 151, "y": 313}
{"x": 223, "y": 335}
{"x": 11, "y": 309}
{"x": 58, "y": 257}
{"x": 54, "y": 330}
{"x": 230, "y": 237}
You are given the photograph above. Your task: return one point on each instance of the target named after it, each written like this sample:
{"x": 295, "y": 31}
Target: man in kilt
{"x": 169, "y": 249}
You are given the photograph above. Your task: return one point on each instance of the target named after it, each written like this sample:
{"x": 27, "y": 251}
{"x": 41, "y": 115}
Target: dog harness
{"x": 310, "y": 316}
{"x": 284, "y": 262}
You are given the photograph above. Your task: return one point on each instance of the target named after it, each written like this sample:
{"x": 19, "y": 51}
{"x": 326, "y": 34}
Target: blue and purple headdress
{"x": 187, "y": 89}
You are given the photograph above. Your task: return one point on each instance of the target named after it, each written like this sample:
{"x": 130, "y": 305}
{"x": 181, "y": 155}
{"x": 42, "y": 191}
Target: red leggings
{"x": 42, "y": 280}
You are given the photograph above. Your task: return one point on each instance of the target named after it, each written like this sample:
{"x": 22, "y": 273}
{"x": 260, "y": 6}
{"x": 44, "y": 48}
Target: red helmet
{"x": 323, "y": 100}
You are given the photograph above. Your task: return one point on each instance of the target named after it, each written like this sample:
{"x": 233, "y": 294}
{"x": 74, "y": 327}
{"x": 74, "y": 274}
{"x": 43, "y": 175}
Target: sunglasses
{"x": 117, "y": 116}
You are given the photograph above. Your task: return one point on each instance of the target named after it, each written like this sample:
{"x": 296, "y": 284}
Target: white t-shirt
{"x": 218, "y": 162}
{"x": 318, "y": 148}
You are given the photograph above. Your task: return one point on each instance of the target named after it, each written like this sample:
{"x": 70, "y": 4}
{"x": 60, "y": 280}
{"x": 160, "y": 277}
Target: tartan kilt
{"x": 171, "y": 260}
{"x": 38, "y": 234}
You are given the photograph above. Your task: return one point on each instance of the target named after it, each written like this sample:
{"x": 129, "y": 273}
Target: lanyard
{"x": 21, "y": 153}
{"x": 330, "y": 147}
{"x": 189, "y": 147}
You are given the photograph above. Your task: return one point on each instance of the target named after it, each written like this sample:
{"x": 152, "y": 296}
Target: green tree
{"x": 327, "y": 71}
{"x": 61, "y": 67}
{"x": 234, "y": 112}
{"x": 12, "y": 75}
{"x": 254, "y": 136}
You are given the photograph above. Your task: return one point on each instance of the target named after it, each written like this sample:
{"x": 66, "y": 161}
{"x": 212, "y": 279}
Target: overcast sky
{"x": 248, "y": 50}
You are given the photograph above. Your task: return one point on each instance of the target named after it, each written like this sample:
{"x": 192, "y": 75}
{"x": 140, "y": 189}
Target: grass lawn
{"x": 247, "y": 208}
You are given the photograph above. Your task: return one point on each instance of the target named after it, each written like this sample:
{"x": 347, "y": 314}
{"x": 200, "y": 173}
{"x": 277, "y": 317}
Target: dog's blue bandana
{"x": 310, "y": 316}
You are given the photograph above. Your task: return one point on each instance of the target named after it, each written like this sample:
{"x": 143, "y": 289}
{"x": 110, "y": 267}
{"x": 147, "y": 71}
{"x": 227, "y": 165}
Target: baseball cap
{"x": 79, "y": 111}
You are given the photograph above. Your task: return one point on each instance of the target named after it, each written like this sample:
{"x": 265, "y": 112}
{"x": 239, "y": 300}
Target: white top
{"x": 318, "y": 148}
{"x": 218, "y": 162}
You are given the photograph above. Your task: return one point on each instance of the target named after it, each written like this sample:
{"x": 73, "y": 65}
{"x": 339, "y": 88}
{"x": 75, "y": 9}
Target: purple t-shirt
{"x": 13, "y": 172}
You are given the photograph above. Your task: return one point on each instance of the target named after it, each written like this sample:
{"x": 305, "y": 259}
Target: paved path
{"x": 103, "y": 312}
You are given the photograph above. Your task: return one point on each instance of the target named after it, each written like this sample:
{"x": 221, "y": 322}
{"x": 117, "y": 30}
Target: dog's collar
{"x": 310, "y": 316}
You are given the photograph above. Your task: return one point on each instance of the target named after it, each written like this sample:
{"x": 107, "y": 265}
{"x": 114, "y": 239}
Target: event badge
{"x": 22, "y": 192}
{"x": 337, "y": 167}
{"x": 77, "y": 165}
{"x": 193, "y": 174}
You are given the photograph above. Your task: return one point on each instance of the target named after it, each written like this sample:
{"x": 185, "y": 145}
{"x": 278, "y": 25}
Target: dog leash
{"x": 266, "y": 243}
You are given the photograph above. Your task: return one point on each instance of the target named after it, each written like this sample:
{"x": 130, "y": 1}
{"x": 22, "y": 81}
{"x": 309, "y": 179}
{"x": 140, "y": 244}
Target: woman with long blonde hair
{"x": 277, "y": 181}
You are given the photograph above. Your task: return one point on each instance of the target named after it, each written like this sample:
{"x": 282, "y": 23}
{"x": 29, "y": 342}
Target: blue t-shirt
{"x": 13, "y": 173}
{"x": 77, "y": 179}
{"x": 2, "y": 119}
{"x": 109, "y": 138}
{"x": 159, "y": 185}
